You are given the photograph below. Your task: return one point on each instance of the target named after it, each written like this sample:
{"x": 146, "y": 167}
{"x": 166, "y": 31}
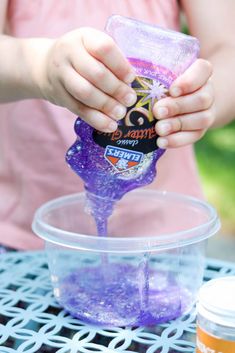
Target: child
{"x": 51, "y": 55}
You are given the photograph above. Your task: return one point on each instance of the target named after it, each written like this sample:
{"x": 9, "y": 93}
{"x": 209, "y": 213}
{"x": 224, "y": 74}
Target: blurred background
{"x": 215, "y": 154}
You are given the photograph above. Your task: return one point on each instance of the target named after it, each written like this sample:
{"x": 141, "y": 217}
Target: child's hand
{"x": 86, "y": 72}
{"x": 185, "y": 116}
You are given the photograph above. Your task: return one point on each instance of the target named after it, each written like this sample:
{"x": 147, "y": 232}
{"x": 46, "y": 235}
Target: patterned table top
{"x": 32, "y": 321}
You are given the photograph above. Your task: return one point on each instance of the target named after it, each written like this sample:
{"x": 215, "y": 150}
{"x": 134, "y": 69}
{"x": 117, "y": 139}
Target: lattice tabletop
{"x": 32, "y": 321}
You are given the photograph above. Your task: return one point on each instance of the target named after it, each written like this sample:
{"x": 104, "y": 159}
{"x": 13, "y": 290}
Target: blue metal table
{"x": 32, "y": 321}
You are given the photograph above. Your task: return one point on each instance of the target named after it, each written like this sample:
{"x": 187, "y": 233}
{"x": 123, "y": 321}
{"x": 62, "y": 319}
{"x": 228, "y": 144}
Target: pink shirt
{"x": 34, "y": 134}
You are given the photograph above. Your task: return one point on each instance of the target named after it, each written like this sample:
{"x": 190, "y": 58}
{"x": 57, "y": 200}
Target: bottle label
{"x": 207, "y": 343}
{"x": 136, "y": 131}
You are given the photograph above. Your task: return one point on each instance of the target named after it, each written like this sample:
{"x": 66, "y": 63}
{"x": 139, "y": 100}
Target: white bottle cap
{"x": 217, "y": 301}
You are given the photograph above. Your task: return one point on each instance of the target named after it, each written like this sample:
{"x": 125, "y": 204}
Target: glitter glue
{"x": 112, "y": 164}
{"x": 216, "y": 316}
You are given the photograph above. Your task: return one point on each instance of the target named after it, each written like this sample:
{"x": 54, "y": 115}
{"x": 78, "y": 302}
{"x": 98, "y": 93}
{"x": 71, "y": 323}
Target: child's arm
{"x": 19, "y": 67}
{"x": 202, "y": 102}
{"x": 83, "y": 71}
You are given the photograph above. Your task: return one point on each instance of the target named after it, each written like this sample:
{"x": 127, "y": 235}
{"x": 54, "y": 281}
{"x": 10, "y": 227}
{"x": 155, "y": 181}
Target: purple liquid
{"x": 121, "y": 299}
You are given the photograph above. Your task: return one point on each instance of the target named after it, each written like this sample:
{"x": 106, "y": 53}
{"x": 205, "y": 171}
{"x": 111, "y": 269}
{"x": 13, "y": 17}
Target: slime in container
{"x": 111, "y": 164}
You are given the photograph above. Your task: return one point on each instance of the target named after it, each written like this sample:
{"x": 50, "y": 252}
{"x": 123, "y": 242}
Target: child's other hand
{"x": 86, "y": 72}
{"x": 188, "y": 112}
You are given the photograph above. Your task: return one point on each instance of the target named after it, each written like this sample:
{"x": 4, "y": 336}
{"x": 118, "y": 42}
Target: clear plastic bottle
{"x": 216, "y": 316}
{"x": 112, "y": 164}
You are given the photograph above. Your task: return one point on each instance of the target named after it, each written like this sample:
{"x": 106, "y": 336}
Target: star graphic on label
{"x": 150, "y": 90}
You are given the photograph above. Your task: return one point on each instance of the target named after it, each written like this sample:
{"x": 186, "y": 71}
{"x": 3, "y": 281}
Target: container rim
{"x": 115, "y": 244}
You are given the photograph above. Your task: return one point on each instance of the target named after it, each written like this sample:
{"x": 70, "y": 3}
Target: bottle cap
{"x": 217, "y": 301}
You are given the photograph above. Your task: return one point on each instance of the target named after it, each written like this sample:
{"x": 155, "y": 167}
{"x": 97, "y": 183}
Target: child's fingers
{"x": 102, "y": 78}
{"x": 93, "y": 117}
{"x": 89, "y": 95}
{"x": 189, "y": 122}
{"x": 202, "y": 99}
{"x": 102, "y": 47}
{"x": 192, "y": 79}
{"x": 180, "y": 139}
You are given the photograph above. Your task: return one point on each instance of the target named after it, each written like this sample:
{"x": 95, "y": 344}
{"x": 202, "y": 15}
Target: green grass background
{"x": 215, "y": 154}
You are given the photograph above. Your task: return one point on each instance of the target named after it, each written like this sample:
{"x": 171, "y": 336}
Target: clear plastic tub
{"x": 147, "y": 270}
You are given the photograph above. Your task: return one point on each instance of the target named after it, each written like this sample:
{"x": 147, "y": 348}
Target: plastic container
{"x": 147, "y": 270}
{"x": 216, "y": 316}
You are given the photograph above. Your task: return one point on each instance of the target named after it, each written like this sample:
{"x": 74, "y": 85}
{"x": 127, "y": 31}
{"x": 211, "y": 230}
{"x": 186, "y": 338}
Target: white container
{"x": 216, "y": 316}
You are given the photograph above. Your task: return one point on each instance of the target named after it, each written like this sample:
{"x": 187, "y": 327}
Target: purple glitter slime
{"x": 119, "y": 300}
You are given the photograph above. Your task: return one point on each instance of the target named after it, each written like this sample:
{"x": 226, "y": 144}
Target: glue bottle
{"x": 112, "y": 164}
